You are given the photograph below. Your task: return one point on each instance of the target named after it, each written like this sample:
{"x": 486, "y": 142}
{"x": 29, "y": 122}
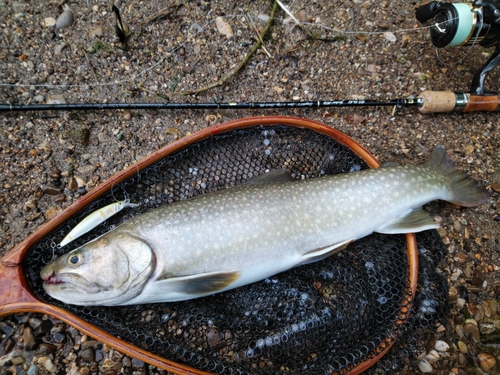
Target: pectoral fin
{"x": 416, "y": 221}
{"x": 324, "y": 252}
{"x": 202, "y": 284}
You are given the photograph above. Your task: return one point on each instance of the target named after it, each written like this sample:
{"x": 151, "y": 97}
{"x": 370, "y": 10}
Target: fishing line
{"x": 203, "y": 28}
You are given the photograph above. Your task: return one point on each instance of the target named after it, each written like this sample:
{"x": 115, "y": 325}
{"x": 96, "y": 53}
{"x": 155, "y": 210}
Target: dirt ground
{"x": 341, "y": 50}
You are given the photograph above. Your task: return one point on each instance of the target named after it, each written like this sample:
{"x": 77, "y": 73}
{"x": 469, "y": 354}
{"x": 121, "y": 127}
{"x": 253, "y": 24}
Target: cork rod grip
{"x": 448, "y": 101}
{"x": 437, "y": 101}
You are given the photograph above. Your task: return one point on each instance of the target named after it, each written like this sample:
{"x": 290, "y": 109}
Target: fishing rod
{"x": 426, "y": 102}
{"x": 452, "y": 24}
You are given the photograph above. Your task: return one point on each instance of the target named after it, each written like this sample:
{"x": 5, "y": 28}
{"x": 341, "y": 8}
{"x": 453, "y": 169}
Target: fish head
{"x": 107, "y": 271}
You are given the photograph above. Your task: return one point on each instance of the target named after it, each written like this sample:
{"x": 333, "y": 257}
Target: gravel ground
{"x": 174, "y": 50}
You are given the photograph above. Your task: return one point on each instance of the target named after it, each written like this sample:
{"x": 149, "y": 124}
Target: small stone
{"x": 126, "y": 361}
{"x": 487, "y": 362}
{"x": 137, "y": 364}
{"x": 7, "y": 186}
{"x": 17, "y": 360}
{"x": 49, "y": 22}
{"x": 432, "y": 356}
{"x": 89, "y": 343}
{"x": 462, "y": 346}
{"x": 441, "y": 346}
{"x": 495, "y": 187}
{"x": 29, "y": 338}
{"x": 34, "y": 152}
{"x": 477, "y": 278}
{"x": 45, "y": 348}
{"x": 460, "y": 303}
{"x": 65, "y": 19}
{"x": 224, "y": 28}
{"x": 52, "y": 190}
{"x": 390, "y": 37}
{"x": 51, "y": 212}
{"x": 60, "y": 48}
{"x": 72, "y": 184}
{"x": 459, "y": 319}
{"x": 127, "y": 115}
{"x": 424, "y": 366}
{"x": 470, "y": 329}
{"x": 60, "y": 198}
{"x": 87, "y": 355}
{"x": 33, "y": 370}
{"x": 31, "y": 204}
{"x": 56, "y": 99}
{"x": 59, "y": 337}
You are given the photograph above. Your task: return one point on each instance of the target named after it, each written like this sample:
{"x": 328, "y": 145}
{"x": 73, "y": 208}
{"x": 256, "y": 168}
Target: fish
{"x": 94, "y": 219}
{"x": 232, "y": 237}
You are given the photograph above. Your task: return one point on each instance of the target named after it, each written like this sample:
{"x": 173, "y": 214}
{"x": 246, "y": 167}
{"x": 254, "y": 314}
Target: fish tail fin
{"x": 465, "y": 190}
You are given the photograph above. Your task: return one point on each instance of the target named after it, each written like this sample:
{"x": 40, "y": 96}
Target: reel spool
{"x": 462, "y": 24}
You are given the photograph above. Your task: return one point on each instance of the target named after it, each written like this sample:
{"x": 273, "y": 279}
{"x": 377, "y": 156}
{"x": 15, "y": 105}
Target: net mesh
{"x": 325, "y": 317}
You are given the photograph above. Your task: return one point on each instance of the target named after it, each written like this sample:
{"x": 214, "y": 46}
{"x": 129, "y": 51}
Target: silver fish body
{"x": 222, "y": 240}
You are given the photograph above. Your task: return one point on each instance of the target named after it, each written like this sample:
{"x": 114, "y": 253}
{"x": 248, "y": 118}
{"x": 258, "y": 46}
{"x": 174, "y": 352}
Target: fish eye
{"x": 74, "y": 259}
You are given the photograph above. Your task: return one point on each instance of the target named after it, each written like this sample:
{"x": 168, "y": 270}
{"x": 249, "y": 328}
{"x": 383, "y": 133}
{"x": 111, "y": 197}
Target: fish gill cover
{"x": 320, "y": 318}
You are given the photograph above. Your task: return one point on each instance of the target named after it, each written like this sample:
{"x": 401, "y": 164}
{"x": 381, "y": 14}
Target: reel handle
{"x": 449, "y": 101}
{"x": 425, "y": 12}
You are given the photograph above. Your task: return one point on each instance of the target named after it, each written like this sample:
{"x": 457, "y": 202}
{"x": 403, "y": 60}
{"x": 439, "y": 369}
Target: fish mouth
{"x": 52, "y": 279}
{"x": 69, "y": 281}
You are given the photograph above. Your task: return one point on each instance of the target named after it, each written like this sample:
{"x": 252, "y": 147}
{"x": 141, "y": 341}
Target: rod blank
{"x": 243, "y": 105}
{"x": 427, "y": 102}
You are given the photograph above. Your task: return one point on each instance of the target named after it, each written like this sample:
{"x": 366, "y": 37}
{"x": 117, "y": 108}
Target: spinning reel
{"x": 465, "y": 24}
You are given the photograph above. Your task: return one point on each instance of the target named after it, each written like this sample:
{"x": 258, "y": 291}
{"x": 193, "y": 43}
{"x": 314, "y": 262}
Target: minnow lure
{"x": 94, "y": 219}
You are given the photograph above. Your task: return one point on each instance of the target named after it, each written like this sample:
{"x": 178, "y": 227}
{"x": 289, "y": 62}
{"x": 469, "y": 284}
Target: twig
{"x": 307, "y": 33}
{"x": 252, "y": 25}
{"x": 247, "y": 58}
{"x": 165, "y": 12}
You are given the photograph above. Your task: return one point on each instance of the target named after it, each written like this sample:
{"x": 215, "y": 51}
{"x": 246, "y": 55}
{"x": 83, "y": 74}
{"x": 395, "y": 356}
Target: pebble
{"x": 33, "y": 370}
{"x": 470, "y": 329}
{"x": 29, "y": 338}
{"x": 65, "y": 19}
{"x": 87, "y": 355}
{"x": 127, "y": 115}
{"x": 52, "y": 190}
{"x": 433, "y": 356}
{"x": 390, "y": 37}
{"x": 60, "y": 47}
{"x": 486, "y": 361}
{"x": 462, "y": 346}
{"x": 441, "y": 346}
{"x": 45, "y": 348}
{"x": 424, "y": 366}
{"x": 224, "y": 28}
{"x": 49, "y": 22}
{"x": 51, "y": 212}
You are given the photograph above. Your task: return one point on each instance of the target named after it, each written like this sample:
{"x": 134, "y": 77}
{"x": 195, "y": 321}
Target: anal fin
{"x": 324, "y": 252}
{"x": 416, "y": 221}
